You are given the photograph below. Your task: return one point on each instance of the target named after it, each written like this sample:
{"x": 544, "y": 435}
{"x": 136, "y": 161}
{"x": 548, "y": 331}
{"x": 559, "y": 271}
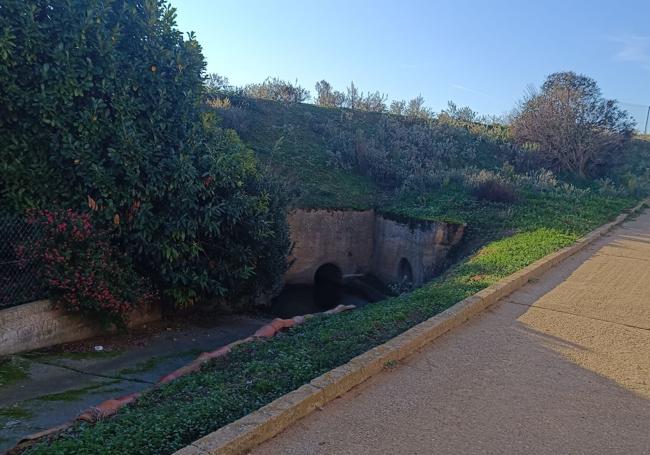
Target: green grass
{"x": 256, "y": 373}
{"x": 287, "y": 138}
{"x": 567, "y": 213}
{"x": 12, "y": 370}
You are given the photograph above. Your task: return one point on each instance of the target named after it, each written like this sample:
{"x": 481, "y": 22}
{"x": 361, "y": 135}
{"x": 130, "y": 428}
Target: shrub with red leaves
{"x": 84, "y": 272}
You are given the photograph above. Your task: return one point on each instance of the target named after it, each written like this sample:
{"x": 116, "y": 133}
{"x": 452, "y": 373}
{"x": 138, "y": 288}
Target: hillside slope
{"x": 343, "y": 158}
{"x": 302, "y": 143}
{"x": 291, "y": 139}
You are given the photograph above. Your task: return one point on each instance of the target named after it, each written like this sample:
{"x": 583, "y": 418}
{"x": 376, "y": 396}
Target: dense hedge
{"x": 100, "y": 110}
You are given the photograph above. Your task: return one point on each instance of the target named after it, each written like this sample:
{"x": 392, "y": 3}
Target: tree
{"x": 352, "y": 96}
{"x": 219, "y": 91}
{"x": 101, "y": 112}
{"x": 373, "y": 102}
{"x": 352, "y": 99}
{"x": 326, "y": 96}
{"x": 461, "y": 114}
{"x": 397, "y": 107}
{"x": 415, "y": 109}
{"x": 571, "y": 126}
{"x": 217, "y": 83}
{"x": 276, "y": 89}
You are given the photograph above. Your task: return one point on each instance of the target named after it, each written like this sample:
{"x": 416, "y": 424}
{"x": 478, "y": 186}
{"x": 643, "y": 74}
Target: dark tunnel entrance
{"x": 404, "y": 271}
{"x": 328, "y": 286}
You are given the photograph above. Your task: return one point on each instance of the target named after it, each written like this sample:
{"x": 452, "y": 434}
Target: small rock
{"x": 99, "y": 348}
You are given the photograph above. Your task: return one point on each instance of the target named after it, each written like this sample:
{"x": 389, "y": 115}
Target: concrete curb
{"x": 251, "y": 430}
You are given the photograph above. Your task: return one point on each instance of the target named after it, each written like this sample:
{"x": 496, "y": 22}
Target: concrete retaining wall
{"x": 425, "y": 246}
{"x": 37, "y": 325}
{"x": 343, "y": 238}
{"x": 364, "y": 242}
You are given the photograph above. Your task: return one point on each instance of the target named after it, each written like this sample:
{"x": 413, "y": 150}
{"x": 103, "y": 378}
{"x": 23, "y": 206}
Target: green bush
{"x": 398, "y": 152}
{"x": 101, "y": 105}
{"x": 495, "y": 191}
{"x": 633, "y": 169}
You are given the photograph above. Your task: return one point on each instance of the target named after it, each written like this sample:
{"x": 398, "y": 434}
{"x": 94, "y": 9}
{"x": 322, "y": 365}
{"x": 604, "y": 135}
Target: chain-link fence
{"x": 20, "y": 277}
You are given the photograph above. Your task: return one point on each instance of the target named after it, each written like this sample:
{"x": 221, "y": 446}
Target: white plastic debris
{"x": 99, "y": 347}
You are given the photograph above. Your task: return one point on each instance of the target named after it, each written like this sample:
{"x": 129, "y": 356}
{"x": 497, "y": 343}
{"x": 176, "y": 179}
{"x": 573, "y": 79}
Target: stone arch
{"x": 404, "y": 271}
{"x": 328, "y": 285}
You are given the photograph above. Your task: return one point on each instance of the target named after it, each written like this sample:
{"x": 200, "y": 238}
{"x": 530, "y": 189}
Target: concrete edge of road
{"x": 251, "y": 430}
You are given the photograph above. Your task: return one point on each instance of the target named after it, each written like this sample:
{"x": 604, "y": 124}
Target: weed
{"x": 151, "y": 363}
{"x": 495, "y": 191}
{"x": 13, "y": 369}
{"x": 390, "y": 364}
{"x": 14, "y": 412}
{"x": 141, "y": 367}
{"x": 75, "y": 394}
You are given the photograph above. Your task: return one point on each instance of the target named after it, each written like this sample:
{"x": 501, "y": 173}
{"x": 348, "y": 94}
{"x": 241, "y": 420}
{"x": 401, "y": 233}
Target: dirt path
{"x": 560, "y": 367}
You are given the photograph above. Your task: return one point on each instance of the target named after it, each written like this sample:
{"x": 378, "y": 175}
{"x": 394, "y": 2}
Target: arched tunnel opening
{"x": 328, "y": 286}
{"x": 404, "y": 271}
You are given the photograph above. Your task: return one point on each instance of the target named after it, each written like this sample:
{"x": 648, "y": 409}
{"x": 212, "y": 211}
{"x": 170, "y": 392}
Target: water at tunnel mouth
{"x": 330, "y": 289}
{"x": 299, "y": 299}
{"x": 328, "y": 286}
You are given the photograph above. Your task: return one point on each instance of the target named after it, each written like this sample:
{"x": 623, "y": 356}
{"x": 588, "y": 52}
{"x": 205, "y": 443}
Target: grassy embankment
{"x": 254, "y": 374}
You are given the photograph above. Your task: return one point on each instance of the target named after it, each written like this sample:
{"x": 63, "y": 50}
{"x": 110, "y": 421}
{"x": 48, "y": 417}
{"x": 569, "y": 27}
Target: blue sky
{"x": 482, "y": 53}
